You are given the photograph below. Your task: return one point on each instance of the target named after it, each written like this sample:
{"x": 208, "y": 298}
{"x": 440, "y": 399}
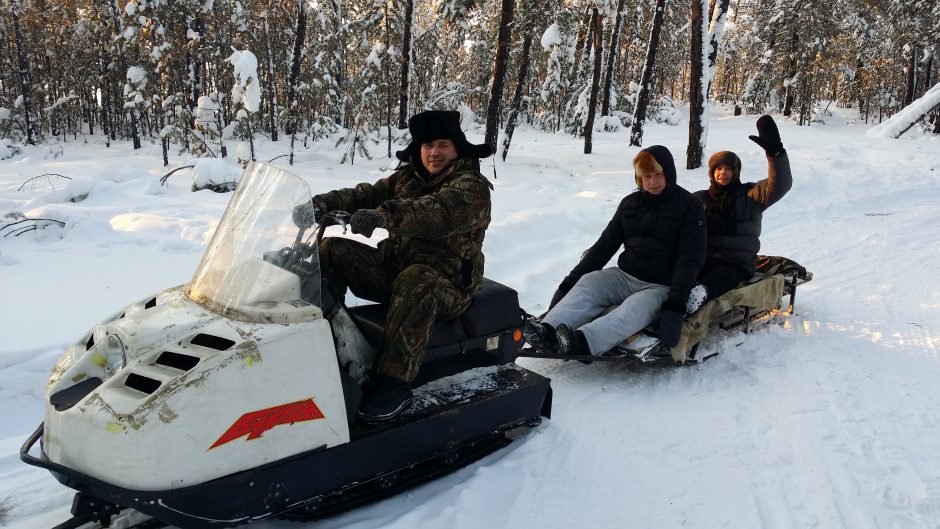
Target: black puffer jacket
{"x": 738, "y": 240}
{"x": 663, "y": 237}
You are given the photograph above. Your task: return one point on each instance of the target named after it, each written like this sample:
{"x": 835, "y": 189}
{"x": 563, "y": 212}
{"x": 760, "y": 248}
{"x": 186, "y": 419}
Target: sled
{"x": 233, "y": 398}
{"x": 753, "y": 303}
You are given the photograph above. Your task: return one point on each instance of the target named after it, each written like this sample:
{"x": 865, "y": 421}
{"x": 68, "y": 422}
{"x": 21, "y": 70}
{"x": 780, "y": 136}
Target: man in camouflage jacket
{"x": 436, "y": 208}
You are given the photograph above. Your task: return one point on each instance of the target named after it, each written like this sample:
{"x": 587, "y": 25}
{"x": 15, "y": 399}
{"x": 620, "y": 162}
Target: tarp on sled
{"x": 762, "y": 291}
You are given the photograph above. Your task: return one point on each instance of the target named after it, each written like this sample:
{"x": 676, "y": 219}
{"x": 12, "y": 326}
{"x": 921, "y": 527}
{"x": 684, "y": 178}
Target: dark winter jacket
{"x": 734, "y": 235}
{"x": 663, "y": 237}
{"x": 438, "y": 222}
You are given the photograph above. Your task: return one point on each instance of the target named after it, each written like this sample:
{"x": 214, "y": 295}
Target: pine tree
{"x": 649, "y": 68}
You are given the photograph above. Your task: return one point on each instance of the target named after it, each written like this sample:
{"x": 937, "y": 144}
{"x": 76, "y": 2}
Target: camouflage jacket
{"x": 440, "y": 223}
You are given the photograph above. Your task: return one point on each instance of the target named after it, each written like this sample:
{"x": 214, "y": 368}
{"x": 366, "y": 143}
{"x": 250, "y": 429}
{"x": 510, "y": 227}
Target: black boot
{"x": 541, "y": 336}
{"x": 384, "y": 399}
{"x": 572, "y": 342}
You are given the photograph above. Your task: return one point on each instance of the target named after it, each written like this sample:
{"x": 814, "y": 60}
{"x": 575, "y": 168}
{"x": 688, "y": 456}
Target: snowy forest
{"x": 164, "y": 71}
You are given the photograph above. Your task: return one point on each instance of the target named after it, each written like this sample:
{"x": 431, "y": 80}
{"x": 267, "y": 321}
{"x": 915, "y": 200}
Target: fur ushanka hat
{"x": 655, "y": 159}
{"x": 726, "y": 158}
{"x": 433, "y": 125}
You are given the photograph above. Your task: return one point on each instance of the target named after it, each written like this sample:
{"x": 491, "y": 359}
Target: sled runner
{"x": 233, "y": 398}
{"x": 757, "y": 301}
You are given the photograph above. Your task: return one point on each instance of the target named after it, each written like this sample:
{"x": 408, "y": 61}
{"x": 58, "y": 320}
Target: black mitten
{"x": 768, "y": 137}
{"x": 365, "y": 221}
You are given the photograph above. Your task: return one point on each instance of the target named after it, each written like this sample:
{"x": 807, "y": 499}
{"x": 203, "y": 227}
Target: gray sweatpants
{"x": 608, "y": 306}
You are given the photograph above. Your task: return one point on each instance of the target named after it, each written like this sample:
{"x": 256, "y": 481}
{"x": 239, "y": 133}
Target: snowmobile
{"x": 233, "y": 398}
{"x": 754, "y": 303}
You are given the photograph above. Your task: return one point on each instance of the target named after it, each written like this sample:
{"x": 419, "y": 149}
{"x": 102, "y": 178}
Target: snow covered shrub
{"x": 215, "y": 174}
{"x": 821, "y": 111}
{"x": 323, "y": 127}
{"x": 665, "y": 111}
{"x": 243, "y": 153}
{"x": 7, "y": 148}
{"x": 78, "y": 190}
{"x": 607, "y": 124}
{"x": 207, "y": 122}
{"x": 15, "y": 224}
{"x": 625, "y": 118}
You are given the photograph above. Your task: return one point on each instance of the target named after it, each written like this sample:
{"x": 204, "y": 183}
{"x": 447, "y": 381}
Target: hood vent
{"x": 177, "y": 360}
{"x": 141, "y": 383}
{"x": 212, "y": 342}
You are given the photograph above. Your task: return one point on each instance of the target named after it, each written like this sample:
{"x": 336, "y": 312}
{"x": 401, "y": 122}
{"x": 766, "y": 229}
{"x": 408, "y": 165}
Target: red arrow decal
{"x": 255, "y": 423}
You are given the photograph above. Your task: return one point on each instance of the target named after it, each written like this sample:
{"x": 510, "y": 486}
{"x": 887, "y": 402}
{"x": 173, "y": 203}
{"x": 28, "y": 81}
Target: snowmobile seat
{"x": 493, "y": 312}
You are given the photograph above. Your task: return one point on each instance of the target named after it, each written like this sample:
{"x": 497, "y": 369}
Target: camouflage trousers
{"x": 417, "y": 297}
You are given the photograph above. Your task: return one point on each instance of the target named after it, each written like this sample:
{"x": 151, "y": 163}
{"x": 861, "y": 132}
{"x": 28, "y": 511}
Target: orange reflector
{"x": 517, "y": 335}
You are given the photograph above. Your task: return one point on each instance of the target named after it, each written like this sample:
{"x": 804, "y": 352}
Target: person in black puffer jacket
{"x": 661, "y": 228}
{"x": 734, "y": 212}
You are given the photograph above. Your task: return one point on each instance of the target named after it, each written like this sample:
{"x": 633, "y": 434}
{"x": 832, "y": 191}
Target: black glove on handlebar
{"x": 365, "y": 221}
{"x": 305, "y": 215}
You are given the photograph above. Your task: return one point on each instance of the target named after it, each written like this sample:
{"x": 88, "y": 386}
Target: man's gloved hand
{"x": 670, "y": 322}
{"x": 365, "y": 221}
{"x": 768, "y": 137}
{"x": 305, "y": 215}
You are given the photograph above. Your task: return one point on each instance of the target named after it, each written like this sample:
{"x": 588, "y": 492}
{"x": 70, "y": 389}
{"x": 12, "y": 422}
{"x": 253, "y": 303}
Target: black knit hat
{"x": 728, "y": 159}
{"x": 431, "y": 125}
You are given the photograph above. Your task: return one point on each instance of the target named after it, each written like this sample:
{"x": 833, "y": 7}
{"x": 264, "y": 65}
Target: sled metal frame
{"x": 657, "y": 355}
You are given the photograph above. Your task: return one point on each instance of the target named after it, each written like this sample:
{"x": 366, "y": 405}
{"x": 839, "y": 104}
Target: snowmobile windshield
{"x": 259, "y": 266}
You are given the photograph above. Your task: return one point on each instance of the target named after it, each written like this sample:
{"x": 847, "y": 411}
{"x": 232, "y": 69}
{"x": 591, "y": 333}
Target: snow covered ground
{"x": 830, "y": 421}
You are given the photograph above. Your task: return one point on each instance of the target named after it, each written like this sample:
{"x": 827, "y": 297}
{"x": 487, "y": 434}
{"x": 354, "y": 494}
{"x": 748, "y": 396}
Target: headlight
{"x": 113, "y": 351}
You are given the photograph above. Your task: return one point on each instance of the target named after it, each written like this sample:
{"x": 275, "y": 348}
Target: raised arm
{"x": 779, "y": 179}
